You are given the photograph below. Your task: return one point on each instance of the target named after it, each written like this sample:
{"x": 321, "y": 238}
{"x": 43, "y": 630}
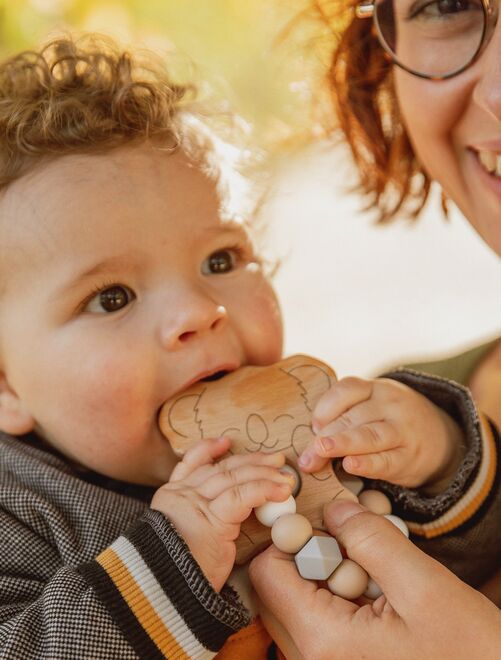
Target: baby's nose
{"x": 193, "y": 318}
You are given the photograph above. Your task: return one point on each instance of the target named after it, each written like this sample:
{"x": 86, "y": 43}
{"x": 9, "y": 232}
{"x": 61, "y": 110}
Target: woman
{"x": 417, "y": 88}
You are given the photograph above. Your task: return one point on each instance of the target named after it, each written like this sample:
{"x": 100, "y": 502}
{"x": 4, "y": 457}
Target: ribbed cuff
{"x": 455, "y": 400}
{"x": 469, "y": 508}
{"x": 158, "y": 595}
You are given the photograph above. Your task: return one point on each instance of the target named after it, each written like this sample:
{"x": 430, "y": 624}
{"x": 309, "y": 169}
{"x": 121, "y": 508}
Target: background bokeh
{"x": 359, "y": 296}
{"x": 264, "y": 55}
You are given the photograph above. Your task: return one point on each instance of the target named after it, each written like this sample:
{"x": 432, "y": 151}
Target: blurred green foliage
{"x": 266, "y": 56}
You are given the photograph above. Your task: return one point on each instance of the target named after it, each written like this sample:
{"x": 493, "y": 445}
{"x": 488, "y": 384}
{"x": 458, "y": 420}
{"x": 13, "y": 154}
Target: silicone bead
{"x": 349, "y": 580}
{"x": 373, "y": 590}
{"x": 318, "y": 558}
{"x": 288, "y": 469}
{"x": 290, "y": 532}
{"x": 398, "y": 522}
{"x": 375, "y": 501}
{"x": 349, "y": 481}
{"x": 268, "y": 512}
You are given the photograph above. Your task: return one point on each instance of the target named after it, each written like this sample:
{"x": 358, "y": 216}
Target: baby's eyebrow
{"x": 95, "y": 270}
{"x": 230, "y": 227}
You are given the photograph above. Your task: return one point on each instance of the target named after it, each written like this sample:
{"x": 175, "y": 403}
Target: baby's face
{"x": 121, "y": 287}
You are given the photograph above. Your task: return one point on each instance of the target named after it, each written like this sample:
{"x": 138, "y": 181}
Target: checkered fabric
{"x": 89, "y": 571}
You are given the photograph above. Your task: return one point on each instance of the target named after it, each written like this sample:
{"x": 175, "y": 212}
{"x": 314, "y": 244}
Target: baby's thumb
{"x": 398, "y": 566}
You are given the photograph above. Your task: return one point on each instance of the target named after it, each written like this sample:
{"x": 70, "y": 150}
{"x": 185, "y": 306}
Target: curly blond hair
{"x": 360, "y": 79}
{"x": 81, "y": 95}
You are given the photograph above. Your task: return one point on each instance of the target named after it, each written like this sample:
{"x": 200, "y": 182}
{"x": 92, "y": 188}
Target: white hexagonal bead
{"x": 373, "y": 590}
{"x": 398, "y": 522}
{"x": 268, "y": 512}
{"x": 318, "y": 558}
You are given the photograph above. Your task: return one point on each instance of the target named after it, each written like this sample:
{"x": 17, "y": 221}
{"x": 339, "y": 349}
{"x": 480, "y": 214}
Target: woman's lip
{"x": 493, "y": 183}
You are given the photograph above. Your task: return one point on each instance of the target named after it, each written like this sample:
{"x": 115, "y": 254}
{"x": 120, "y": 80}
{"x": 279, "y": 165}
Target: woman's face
{"x": 455, "y": 127}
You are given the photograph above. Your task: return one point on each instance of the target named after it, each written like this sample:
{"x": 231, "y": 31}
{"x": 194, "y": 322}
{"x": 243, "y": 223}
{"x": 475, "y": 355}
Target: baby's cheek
{"x": 262, "y": 320}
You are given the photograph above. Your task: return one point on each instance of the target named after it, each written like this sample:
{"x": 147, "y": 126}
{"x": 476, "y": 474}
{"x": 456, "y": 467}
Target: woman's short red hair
{"x": 360, "y": 79}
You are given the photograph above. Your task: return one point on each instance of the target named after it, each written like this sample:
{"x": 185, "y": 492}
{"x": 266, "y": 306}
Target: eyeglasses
{"x": 432, "y": 38}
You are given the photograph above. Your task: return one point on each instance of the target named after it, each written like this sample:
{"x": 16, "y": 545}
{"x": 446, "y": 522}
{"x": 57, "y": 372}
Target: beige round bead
{"x": 375, "y": 501}
{"x": 290, "y": 532}
{"x": 270, "y": 511}
{"x": 349, "y": 580}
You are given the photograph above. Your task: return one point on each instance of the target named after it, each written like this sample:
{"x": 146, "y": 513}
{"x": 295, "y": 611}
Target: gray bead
{"x": 318, "y": 558}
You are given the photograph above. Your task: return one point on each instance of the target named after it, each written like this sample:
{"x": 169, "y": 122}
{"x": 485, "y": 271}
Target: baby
{"x": 123, "y": 282}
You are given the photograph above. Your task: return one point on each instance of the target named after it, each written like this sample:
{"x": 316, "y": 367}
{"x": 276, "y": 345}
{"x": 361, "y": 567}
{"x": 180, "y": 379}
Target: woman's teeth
{"x": 490, "y": 162}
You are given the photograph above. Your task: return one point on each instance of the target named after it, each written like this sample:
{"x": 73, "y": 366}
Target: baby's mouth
{"x": 215, "y": 376}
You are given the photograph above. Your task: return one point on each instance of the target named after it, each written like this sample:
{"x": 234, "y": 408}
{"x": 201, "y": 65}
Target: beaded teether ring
{"x": 320, "y": 557}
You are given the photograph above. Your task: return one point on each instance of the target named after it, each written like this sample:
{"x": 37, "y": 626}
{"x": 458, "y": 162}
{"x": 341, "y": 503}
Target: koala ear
{"x": 180, "y": 422}
{"x": 313, "y": 377}
{"x": 14, "y": 417}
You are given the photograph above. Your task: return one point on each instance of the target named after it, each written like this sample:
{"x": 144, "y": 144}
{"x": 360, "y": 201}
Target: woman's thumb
{"x": 398, "y": 566}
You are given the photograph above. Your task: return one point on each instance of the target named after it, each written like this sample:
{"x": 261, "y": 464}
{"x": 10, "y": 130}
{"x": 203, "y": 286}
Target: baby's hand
{"x": 207, "y": 500}
{"x": 385, "y": 430}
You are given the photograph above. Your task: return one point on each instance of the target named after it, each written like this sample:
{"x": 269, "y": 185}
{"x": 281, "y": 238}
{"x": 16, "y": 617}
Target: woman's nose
{"x": 193, "y": 317}
{"x": 487, "y": 92}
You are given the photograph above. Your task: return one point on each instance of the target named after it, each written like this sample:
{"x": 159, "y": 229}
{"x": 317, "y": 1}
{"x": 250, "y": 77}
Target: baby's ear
{"x": 14, "y": 418}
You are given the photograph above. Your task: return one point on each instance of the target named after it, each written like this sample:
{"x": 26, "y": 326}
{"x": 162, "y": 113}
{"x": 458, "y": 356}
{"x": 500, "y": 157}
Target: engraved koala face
{"x": 261, "y": 409}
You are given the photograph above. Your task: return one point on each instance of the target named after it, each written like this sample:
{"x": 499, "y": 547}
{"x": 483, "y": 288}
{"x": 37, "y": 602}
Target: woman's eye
{"x": 110, "y": 300}
{"x": 222, "y": 261}
{"x": 440, "y": 8}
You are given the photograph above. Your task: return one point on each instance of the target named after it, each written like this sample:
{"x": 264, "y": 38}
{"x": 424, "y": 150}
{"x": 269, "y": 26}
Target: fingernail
{"x": 315, "y": 426}
{"x": 327, "y": 444}
{"x": 351, "y": 463}
{"x": 287, "y": 476}
{"x": 304, "y": 460}
{"x": 338, "y": 513}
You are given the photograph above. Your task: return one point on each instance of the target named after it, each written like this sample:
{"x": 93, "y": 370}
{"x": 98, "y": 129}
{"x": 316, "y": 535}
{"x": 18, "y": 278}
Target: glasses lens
{"x": 434, "y": 38}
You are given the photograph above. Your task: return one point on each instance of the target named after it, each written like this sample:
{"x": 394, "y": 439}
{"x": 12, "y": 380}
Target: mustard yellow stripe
{"x": 133, "y": 595}
{"x": 432, "y": 530}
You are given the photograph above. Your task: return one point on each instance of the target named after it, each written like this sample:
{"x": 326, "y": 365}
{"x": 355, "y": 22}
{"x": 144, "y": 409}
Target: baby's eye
{"x": 110, "y": 299}
{"x": 222, "y": 261}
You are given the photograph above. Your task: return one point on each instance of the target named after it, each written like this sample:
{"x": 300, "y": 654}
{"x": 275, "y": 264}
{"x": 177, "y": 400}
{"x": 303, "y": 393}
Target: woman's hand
{"x": 425, "y": 612}
{"x": 207, "y": 500}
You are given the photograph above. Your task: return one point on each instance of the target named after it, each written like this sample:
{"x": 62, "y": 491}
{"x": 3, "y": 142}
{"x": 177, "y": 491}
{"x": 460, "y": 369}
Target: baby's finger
{"x": 235, "y": 461}
{"x": 203, "y": 453}
{"x": 383, "y": 465}
{"x": 218, "y": 483}
{"x": 363, "y": 413}
{"x": 343, "y": 395}
{"x": 366, "y": 439}
{"x": 235, "y": 505}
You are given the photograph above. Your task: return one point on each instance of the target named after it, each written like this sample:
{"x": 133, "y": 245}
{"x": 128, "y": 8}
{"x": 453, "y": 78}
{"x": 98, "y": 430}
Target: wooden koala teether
{"x": 261, "y": 409}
